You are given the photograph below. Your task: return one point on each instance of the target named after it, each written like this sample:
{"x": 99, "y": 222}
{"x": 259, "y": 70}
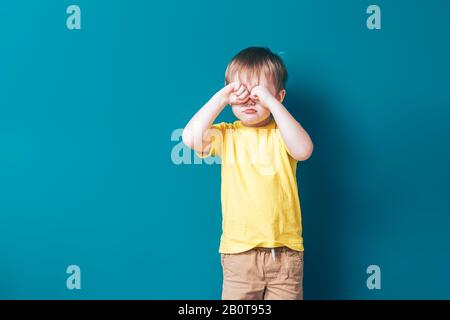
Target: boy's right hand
{"x": 235, "y": 94}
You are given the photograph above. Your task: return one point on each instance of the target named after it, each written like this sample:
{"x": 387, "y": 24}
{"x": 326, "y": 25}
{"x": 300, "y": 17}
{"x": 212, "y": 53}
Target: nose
{"x": 249, "y": 102}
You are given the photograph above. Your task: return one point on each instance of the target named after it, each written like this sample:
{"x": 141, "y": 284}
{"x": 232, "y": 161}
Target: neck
{"x": 260, "y": 124}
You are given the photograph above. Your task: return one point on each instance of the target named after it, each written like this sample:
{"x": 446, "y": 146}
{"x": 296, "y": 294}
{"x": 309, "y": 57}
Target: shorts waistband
{"x": 284, "y": 248}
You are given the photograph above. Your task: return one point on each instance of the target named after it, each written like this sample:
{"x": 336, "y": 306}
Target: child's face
{"x": 252, "y": 113}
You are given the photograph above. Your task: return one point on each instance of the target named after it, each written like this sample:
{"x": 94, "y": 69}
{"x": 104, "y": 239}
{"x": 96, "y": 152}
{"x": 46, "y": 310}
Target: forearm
{"x": 296, "y": 139}
{"x": 194, "y": 132}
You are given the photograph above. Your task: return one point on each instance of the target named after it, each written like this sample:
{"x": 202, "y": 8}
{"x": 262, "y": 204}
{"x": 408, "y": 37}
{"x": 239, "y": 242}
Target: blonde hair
{"x": 254, "y": 61}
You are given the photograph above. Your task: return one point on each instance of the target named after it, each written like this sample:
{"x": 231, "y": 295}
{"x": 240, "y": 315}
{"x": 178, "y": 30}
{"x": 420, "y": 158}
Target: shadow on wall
{"x": 324, "y": 201}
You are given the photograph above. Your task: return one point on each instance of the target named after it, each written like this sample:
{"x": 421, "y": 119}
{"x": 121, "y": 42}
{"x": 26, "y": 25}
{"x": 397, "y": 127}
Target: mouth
{"x": 249, "y": 111}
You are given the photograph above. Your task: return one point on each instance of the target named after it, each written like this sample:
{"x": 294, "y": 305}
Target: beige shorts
{"x": 263, "y": 274}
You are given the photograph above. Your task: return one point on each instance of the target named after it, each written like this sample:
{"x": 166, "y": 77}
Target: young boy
{"x": 261, "y": 245}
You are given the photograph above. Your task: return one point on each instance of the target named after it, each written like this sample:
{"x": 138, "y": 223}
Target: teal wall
{"x": 86, "y": 118}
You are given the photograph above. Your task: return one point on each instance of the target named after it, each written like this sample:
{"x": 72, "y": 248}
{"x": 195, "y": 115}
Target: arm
{"x": 196, "y": 135}
{"x": 296, "y": 139}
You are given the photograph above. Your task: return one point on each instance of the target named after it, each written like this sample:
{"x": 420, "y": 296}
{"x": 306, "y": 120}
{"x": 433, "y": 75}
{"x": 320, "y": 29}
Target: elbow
{"x": 303, "y": 154}
{"x": 187, "y": 138}
{"x": 192, "y": 140}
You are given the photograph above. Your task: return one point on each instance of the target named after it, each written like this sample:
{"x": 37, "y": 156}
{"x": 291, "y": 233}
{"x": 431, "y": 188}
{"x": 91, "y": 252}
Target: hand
{"x": 235, "y": 94}
{"x": 262, "y": 95}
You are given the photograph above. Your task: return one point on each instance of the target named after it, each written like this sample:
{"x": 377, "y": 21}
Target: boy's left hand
{"x": 262, "y": 95}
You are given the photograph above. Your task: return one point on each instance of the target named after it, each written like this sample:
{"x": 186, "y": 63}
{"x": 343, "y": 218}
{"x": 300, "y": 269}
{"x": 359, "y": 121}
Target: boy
{"x": 261, "y": 245}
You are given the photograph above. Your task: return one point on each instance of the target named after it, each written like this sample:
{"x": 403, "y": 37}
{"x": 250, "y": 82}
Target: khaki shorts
{"x": 263, "y": 274}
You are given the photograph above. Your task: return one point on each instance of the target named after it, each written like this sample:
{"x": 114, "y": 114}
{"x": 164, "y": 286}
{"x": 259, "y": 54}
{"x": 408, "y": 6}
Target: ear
{"x": 281, "y": 95}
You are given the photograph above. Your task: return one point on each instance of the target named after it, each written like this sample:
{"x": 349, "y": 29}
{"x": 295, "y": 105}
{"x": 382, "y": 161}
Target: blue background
{"x": 86, "y": 118}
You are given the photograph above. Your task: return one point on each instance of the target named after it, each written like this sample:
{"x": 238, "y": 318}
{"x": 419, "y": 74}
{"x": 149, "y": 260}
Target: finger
{"x": 243, "y": 101}
{"x": 233, "y": 98}
{"x": 254, "y": 90}
{"x": 233, "y": 86}
{"x": 240, "y": 90}
{"x": 243, "y": 96}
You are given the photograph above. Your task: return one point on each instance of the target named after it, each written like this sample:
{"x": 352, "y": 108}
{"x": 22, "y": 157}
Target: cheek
{"x": 235, "y": 110}
{"x": 262, "y": 110}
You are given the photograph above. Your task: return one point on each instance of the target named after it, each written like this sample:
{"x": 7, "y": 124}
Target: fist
{"x": 236, "y": 94}
{"x": 260, "y": 94}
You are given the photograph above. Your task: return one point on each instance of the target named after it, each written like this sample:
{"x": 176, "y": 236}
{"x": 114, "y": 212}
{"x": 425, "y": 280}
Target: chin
{"x": 252, "y": 121}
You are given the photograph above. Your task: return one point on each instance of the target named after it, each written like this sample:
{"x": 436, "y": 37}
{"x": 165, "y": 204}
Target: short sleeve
{"x": 217, "y": 137}
{"x": 282, "y": 144}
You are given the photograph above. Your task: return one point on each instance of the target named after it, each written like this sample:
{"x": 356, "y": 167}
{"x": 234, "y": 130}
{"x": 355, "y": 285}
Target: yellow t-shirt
{"x": 260, "y": 203}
